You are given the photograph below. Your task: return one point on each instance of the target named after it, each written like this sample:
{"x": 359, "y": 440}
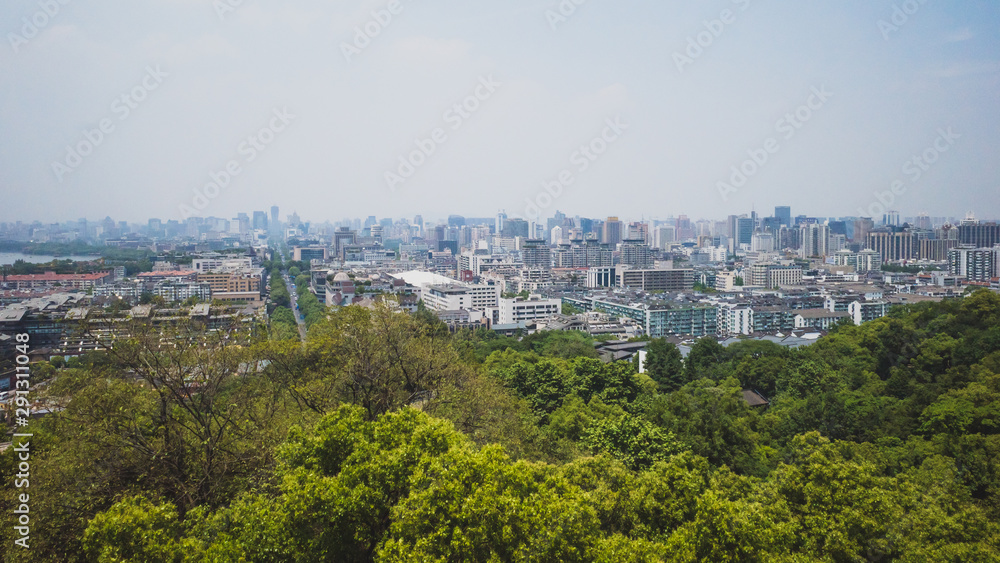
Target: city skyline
{"x": 706, "y": 109}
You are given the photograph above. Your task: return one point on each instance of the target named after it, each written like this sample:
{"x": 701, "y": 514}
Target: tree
{"x": 568, "y": 309}
{"x": 664, "y": 365}
{"x": 704, "y": 358}
{"x": 632, "y": 440}
{"x": 379, "y": 358}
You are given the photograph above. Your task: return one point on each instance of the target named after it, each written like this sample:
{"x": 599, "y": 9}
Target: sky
{"x": 643, "y": 110}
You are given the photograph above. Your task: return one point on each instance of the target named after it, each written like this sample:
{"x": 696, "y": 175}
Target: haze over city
{"x": 126, "y": 109}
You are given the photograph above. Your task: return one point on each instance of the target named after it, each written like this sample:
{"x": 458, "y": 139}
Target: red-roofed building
{"x": 52, "y": 279}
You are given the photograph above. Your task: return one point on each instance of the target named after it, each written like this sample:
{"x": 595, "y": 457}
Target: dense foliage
{"x": 385, "y": 438}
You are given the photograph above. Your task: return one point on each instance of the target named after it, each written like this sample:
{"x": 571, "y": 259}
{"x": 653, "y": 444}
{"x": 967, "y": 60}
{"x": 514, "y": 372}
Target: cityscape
{"x": 539, "y": 281}
{"x": 776, "y": 276}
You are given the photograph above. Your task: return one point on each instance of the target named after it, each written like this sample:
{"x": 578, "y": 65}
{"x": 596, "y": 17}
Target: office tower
{"x": 784, "y": 215}
{"x": 515, "y": 228}
{"x": 732, "y": 230}
{"x": 639, "y": 231}
{"x": 155, "y": 228}
{"x": 558, "y": 220}
{"x": 684, "y": 230}
{"x": 862, "y": 226}
{"x": 259, "y": 220}
{"x": 891, "y": 219}
{"x": 979, "y": 235}
{"x": 501, "y": 222}
{"x": 612, "y": 234}
{"x": 377, "y": 233}
{"x": 892, "y": 245}
{"x": 935, "y": 249}
{"x": 744, "y": 232}
{"x": 771, "y": 224}
{"x": 274, "y": 214}
{"x": 342, "y": 237}
{"x": 838, "y": 227}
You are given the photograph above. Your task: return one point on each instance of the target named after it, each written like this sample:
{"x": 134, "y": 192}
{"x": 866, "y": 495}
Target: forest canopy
{"x": 384, "y": 437}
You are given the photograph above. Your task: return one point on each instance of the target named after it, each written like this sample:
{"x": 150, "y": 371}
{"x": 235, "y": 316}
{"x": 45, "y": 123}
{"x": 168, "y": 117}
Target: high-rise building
{"x": 343, "y": 237}
{"x": 274, "y": 214}
{"x": 535, "y": 253}
{"x": 893, "y": 246}
{"x": 639, "y": 231}
{"x": 936, "y": 249}
{"x": 636, "y": 253}
{"x": 763, "y": 242}
{"x": 771, "y": 224}
{"x": 784, "y": 215}
{"x": 515, "y": 228}
{"x": 790, "y": 238}
{"x": 684, "y": 230}
{"x": 891, "y": 219}
{"x": 501, "y": 222}
{"x": 744, "y": 232}
{"x": 979, "y": 235}
{"x": 259, "y": 220}
{"x": 974, "y": 264}
{"x": 556, "y": 235}
{"x": 862, "y": 226}
{"x": 612, "y": 234}
{"x": 663, "y": 235}
{"x": 815, "y": 240}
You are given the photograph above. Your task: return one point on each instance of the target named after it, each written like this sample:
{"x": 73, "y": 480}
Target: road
{"x": 295, "y": 306}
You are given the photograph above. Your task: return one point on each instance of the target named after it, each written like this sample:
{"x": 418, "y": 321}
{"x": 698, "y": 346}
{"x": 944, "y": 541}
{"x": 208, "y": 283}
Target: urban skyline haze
{"x": 173, "y": 107}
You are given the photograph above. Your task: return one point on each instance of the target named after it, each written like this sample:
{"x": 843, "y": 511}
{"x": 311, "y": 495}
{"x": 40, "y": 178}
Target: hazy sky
{"x": 312, "y": 105}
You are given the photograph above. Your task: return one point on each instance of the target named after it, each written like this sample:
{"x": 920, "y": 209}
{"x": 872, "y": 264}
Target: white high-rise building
{"x": 762, "y": 242}
{"x": 556, "y": 235}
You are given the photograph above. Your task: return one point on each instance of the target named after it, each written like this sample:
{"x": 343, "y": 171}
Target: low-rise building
{"x": 519, "y": 310}
{"x": 822, "y": 319}
{"x": 54, "y": 280}
{"x": 864, "y": 311}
